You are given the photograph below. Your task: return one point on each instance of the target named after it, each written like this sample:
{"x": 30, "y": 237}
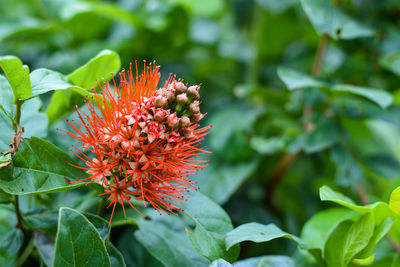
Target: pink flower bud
{"x": 170, "y": 95}
{"x": 160, "y": 102}
{"x": 179, "y": 87}
{"x": 181, "y": 99}
{"x": 193, "y": 92}
{"x": 194, "y": 107}
{"x": 196, "y": 117}
{"x": 187, "y": 133}
{"x": 172, "y": 120}
{"x": 185, "y": 121}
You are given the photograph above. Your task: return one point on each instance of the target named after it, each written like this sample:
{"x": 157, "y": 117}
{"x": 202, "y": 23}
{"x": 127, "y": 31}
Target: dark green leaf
{"x": 12, "y": 243}
{"x": 330, "y": 20}
{"x": 212, "y": 225}
{"x": 45, "y": 246}
{"x": 39, "y": 167}
{"x": 161, "y": 236}
{"x": 116, "y": 258}
{"x": 77, "y": 242}
{"x": 18, "y": 76}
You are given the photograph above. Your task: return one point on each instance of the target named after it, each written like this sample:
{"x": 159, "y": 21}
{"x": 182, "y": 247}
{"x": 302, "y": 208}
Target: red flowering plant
{"x": 144, "y": 141}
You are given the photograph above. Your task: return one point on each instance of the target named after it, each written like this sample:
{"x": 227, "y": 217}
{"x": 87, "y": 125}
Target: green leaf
{"x": 379, "y": 233}
{"x": 12, "y": 243}
{"x": 332, "y": 21}
{"x": 77, "y": 242}
{"x": 391, "y": 62}
{"x": 220, "y": 263}
{"x": 212, "y": 225}
{"x": 364, "y": 262}
{"x": 318, "y": 228}
{"x": 294, "y": 79}
{"x": 116, "y": 258}
{"x": 357, "y": 237}
{"x": 161, "y": 237}
{"x": 333, "y": 251}
{"x": 394, "y": 202}
{"x": 39, "y": 167}
{"x": 41, "y": 221}
{"x": 256, "y": 232}
{"x": 267, "y": 146}
{"x": 18, "y": 76}
{"x": 45, "y": 246}
{"x": 380, "y": 97}
{"x": 44, "y": 80}
{"x": 99, "y": 67}
{"x": 267, "y": 261}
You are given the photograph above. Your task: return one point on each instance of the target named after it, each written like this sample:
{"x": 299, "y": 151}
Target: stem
{"x": 319, "y": 56}
{"x": 19, "y": 216}
{"x": 25, "y": 254}
{"x": 18, "y": 113}
{"x": 101, "y": 208}
{"x": 364, "y": 199}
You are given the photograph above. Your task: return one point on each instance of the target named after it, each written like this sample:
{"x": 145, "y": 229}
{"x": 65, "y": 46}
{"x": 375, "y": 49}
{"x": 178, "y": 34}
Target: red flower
{"x": 144, "y": 141}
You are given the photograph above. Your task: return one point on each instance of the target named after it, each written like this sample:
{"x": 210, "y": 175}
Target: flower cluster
{"x": 144, "y": 141}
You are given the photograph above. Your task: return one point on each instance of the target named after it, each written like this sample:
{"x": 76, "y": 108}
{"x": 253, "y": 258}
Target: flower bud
{"x": 170, "y": 96}
{"x": 184, "y": 121}
{"x": 194, "y": 107}
{"x": 181, "y": 99}
{"x": 160, "y": 114}
{"x": 193, "y": 92}
{"x": 187, "y": 133}
{"x": 196, "y": 117}
{"x": 172, "y": 120}
{"x": 160, "y": 102}
{"x": 179, "y": 87}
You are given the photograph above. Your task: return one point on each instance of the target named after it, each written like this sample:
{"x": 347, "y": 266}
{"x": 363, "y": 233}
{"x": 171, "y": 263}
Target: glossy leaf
{"x": 116, "y": 258}
{"x": 39, "y": 167}
{"x": 333, "y": 251}
{"x": 294, "y": 79}
{"x": 45, "y": 80}
{"x": 394, "y": 202}
{"x": 98, "y": 68}
{"x": 18, "y": 76}
{"x": 220, "y": 263}
{"x": 380, "y": 97}
{"x": 211, "y": 226}
{"x": 332, "y": 21}
{"x": 77, "y": 242}
{"x": 45, "y": 247}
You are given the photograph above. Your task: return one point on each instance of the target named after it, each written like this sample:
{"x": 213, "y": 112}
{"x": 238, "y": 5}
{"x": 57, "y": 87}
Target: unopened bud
{"x": 160, "y": 102}
{"x": 159, "y": 117}
{"x": 172, "y": 120}
{"x": 193, "y": 92}
{"x": 196, "y": 117}
{"x": 170, "y": 96}
{"x": 194, "y": 107}
{"x": 187, "y": 133}
{"x": 180, "y": 87}
{"x": 181, "y": 99}
{"x": 185, "y": 121}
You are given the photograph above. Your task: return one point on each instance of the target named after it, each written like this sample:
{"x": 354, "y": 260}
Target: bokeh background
{"x": 265, "y": 166}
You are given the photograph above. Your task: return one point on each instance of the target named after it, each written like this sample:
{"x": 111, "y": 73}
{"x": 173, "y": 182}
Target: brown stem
{"x": 364, "y": 199}
{"x": 319, "y": 56}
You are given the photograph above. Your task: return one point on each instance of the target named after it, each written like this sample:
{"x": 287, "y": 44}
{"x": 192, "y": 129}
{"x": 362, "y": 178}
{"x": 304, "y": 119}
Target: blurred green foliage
{"x": 283, "y": 125}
